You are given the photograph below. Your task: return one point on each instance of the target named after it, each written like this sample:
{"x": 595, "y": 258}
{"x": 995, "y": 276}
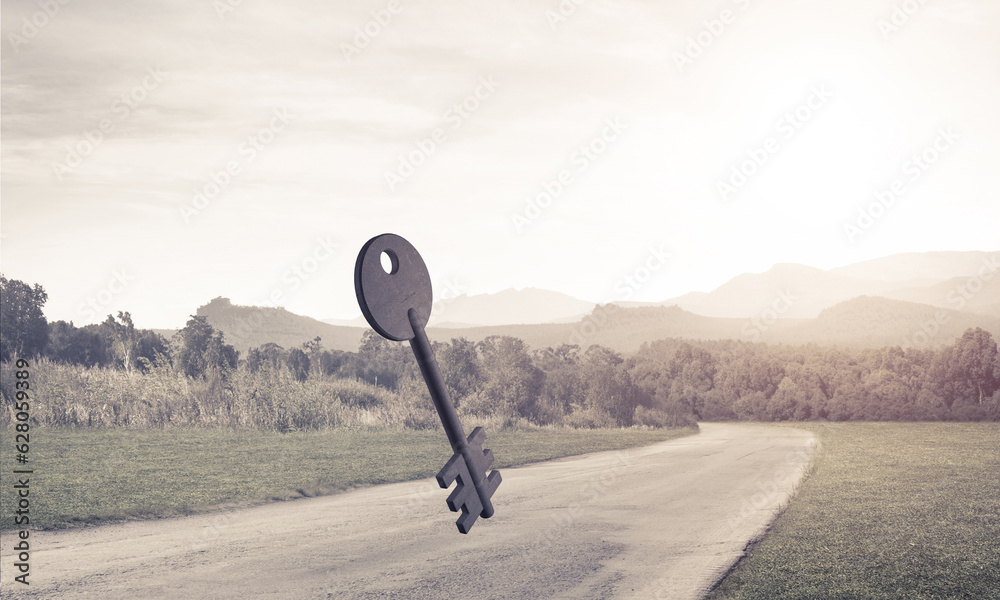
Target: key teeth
{"x": 466, "y": 521}
{"x": 465, "y": 497}
{"x": 477, "y": 437}
{"x": 451, "y": 470}
{"x": 493, "y": 482}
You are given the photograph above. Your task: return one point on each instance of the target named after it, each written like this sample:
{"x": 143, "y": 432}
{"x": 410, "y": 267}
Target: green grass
{"x": 94, "y": 475}
{"x": 890, "y": 510}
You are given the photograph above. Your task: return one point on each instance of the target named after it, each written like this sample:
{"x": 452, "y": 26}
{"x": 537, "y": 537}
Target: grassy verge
{"x": 93, "y": 475}
{"x": 890, "y": 510}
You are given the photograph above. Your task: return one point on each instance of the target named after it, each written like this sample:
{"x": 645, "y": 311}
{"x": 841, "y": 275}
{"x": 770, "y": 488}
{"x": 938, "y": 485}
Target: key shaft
{"x": 446, "y": 409}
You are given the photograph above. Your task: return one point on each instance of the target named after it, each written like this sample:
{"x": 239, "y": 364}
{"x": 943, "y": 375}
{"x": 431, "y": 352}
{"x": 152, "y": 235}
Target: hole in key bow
{"x": 390, "y": 263}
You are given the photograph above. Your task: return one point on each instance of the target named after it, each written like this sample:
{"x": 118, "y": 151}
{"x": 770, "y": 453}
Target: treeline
{"x": 676, "y": 382}
{"x": 724, "y": 380}
{"x": 115, "y": 375}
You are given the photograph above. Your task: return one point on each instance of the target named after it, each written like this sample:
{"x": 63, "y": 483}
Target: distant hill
{"x": 934, "y": 278}
{"x": 508, "y": 307}
{"x": 808, "y": 290}
{"x": 872, "y": 322}
{"x": 358, "y": 321}
{"x": 247, "y": 327}
{"x": 888, "y": 301}
{"x": 992, "y": 310}
{"x": 624, "y": 329}
{"x": 919, "y": 267}
{"x": 686, "y": 301}
{"x": 972, "y": 294}
{"x": 860, "y": 322}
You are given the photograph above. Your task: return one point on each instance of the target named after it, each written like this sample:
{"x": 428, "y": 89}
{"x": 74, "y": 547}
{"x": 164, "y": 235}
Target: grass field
{"x": 890, "y": 510}
{"x": 93, "y": 475}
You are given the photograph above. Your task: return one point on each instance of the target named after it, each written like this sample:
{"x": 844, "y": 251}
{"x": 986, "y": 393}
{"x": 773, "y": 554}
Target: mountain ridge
{"x": 788, "y": 303}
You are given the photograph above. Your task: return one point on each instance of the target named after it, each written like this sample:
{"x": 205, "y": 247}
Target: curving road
{"x": 663, "y": 521}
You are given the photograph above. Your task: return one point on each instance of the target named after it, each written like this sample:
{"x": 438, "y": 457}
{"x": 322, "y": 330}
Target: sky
{"x": 156, "y": 155}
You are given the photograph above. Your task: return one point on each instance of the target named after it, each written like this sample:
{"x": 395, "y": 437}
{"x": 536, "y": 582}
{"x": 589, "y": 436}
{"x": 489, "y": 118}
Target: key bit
{"x": 465, "y": 497}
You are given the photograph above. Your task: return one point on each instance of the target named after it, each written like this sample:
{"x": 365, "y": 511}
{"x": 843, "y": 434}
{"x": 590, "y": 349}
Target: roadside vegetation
{"x": 890, "y": 511}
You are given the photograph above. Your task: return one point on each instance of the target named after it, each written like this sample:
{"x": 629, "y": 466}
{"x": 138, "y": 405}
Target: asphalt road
{"x": 663, "y": 521}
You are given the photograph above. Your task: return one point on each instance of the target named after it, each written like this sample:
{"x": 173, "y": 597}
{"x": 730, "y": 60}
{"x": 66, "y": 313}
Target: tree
{"x": 747, "y": 374}
{"x": 124, "y": 339}
{"x": 609, "y": 386}
{"x": 512, "y": 382}
{"x": 887, "y": 397}
{"x": 383, "y": 362}
{"x": 77, "y": 345}
{"x": 781, "y": 406}
{"x": 954, "y": 369}
{"x": 314, "y": 351}
{"x": 460, "y": 368}
{"x": 193, "y": 343}
{"x": 201, "y": 349}
{"x": 298, "y": 362}
{"x": 272, "y": 355}
{"x": 151, "y": 349}
{"x": 220, "y": 356}
{"x": 563, "y": 390}
{"x": 25, "y": 330}
{"x": 976, "y": 364}
{"x": 330, "y": 361}
{"x": 694, "y": 366}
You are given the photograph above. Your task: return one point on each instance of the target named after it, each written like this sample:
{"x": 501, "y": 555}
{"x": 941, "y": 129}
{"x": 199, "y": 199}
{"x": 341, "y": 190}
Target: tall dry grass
{"x": 273, "y": 400}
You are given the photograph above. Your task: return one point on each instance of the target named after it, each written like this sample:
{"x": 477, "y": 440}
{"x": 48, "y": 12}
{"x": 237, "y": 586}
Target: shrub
{"x": 589, "y": 418}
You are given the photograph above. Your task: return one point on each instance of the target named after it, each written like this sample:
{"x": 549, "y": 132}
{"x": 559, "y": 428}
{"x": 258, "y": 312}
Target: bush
{"x": 651, "y": 417}
{"x": 589, "y": 418}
